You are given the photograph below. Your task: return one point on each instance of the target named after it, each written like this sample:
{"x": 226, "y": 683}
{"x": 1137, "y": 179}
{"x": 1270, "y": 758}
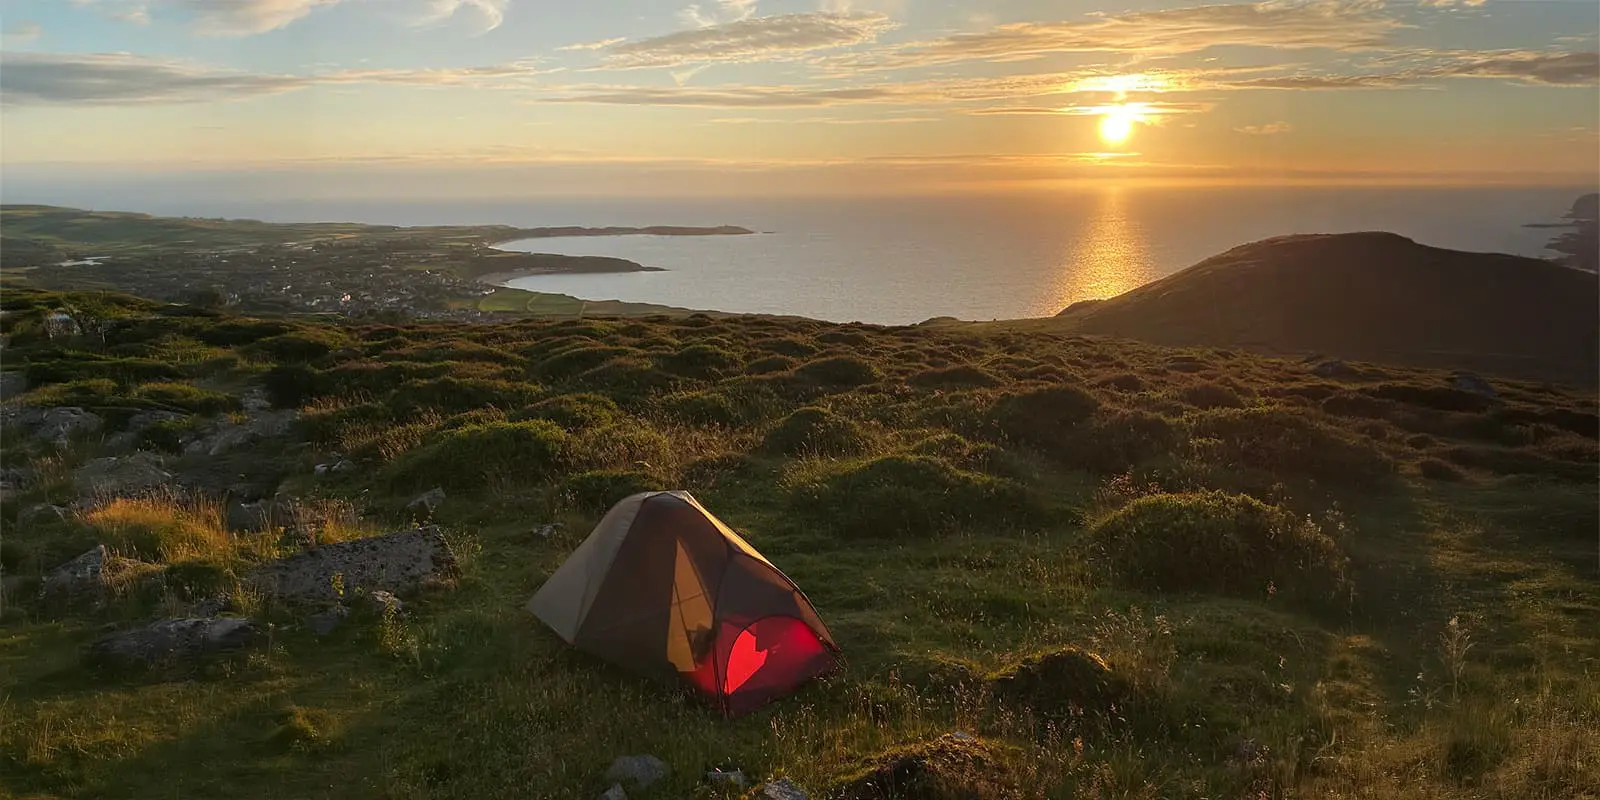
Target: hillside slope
{"x": 1370, "y": 296}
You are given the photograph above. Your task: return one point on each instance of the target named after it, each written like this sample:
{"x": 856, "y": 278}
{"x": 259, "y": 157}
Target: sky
{"x": 491, "y": 98}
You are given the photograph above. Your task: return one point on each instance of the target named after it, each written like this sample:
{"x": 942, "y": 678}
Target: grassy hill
{"x": 1116, "y": 569}
{"x": 1371, "y": 296}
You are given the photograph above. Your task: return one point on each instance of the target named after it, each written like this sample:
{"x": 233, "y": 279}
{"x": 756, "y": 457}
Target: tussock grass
{"x": 162, "y": 529}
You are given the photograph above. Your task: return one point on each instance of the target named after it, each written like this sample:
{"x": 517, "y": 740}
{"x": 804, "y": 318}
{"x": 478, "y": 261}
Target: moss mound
{"x": 839, "y": 372}
{"x": 954, "y": 377}
{"x": 914, "y": 496}
{"x": 1043, "y": 418}
{"x": 598, "y": 490}
{"x": 1211, "y": 395}
{"x": 1219, "y": 543}
{"x": 817, "y": 431}
{"x": 454, "y": 395}
{"x": 573, "y": 411}
{"x": 955, "y": 766}
{"x": 477, "y": 457}
{"x": 1061, "y": 684}
{"x": 1281, "y": 440}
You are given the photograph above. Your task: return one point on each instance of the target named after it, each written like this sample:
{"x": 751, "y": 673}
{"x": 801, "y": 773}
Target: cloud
{"x": 1151, "y": 111}
{"x": 492, "y": 12}
{"x": 1287, "y": 24}
{"x": 1549, "y": 68}
{"x": 600, "y": 45}
{"x": 123, "y": 79}
{"x": 723, "y": 11}
{"x": 1451, "y": 3}
{"x": 752, "y": 39}
{"x": 215, "y": 17}
{"x": 22, "y": 33}
{"x": 821, "y": 120}
{"x": 728, "y": 97}
{"x": 1269, "y": 129}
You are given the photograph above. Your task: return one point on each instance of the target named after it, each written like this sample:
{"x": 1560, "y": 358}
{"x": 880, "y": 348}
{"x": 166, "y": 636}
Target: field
{"x": 1058, "y": 566}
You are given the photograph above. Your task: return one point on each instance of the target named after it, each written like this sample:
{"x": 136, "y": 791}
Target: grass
{"x": 1106, "y": 565}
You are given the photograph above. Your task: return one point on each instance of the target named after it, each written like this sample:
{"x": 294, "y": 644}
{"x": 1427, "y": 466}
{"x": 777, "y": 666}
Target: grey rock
{"x": 114, "y": 476}
{"x": 547, "y": 530}
{"x": 1333, "y": 369}
{"x": 12, "y": 384}
{"x": 402, "y": 563}
{"x": 59, "y": 425}
{"x": 273, "y": 513}
{"x": 13, "y": 481}
{"x": 211, "y": 606}
{"x": 328, "y": 621}
{"x": 614, "y": 793}
{"x": 781, "y": 789}
{"x": 727, "y": 777}
{"x": 255, "y": 399}
{"x": 41, "y": 514}
{"x": 385, "y": 603}
{"x": 1468, "y": 382}
{"x": 60, "y": 325}
{"x": 225, "y": 435}
{"x": 641, "y": 770}
{"x": 174, "y": 641}
{"x": 340, "y": 467}
{"x": 87, "y": 580}
{"x": 427, "y": 501}
{"x": 145, "y": 420}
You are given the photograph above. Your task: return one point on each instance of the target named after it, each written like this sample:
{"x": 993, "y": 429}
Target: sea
{"x": 974, "y": 257}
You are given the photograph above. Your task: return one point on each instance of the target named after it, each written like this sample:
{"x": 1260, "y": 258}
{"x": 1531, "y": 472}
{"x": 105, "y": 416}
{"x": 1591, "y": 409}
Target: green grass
{"x": 1060, "y": 547}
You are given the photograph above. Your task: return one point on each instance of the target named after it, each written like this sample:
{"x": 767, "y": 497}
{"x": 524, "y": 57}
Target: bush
{"x": 1126, "y": 382}
{"x": 452, "y": 395}
{"x": 577, "y": 360}
{"x": 627, "y": 377}
{"x": 233, "y": 333}
{"x": 1210, "y": 395}
{"x": 1355, "y": 404}
{"x": 699, "y": 361}
{"x": 846, "y": 337}
{"x": 914, "y": 496}
{"x": 573, "y": 411}
{"x": 299, "y": 346}
{"x": 1440, "y": 398}
{"x": 188, "y": 398}
{"x": 168, "y": 435}
{"x": 817, "y": 431}
{"x": 89, "y": 393}
{"x": 621, "y": 445}
{"x": 470, "y": 458}
{"x": 291, "y": 385}
{"x": 1063, "y": 684}
{"x": 597, "y": 490}
{"x": 158, "y": 528}
{"x": 1219, "y": 543}
{"x": 1116, "y": 440}
{"x": 961, "y": 376}
{"x": 1042, "y": 418}
{"x": 195, "y": 579}
{"x": 786, "y": 346}
{"x": 770, "y": 364}
{"x": 1280, "y": 440}
{"x": 839, "y": 371}
{"x": 704, "y": 408}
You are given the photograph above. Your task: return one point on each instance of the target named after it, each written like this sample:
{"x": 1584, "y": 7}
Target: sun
{"x": 1116, "y": 122}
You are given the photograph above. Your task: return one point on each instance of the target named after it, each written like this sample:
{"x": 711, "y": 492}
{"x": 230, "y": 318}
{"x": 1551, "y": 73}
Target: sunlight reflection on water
{"x": 1111, "y": 257}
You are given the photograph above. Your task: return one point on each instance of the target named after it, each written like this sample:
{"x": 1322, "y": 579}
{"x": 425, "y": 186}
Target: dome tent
{"x": 663, "y": 587}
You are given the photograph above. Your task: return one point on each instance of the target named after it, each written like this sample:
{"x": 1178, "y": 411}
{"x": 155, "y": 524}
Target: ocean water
{"x": 976, "y": 257}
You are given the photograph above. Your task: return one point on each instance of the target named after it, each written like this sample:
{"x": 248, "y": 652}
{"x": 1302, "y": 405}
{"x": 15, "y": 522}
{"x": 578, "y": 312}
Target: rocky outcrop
{"x": 121, "y": 476}
{"x": 226, "y": 435}
{"x": 402, "y": 563}
{"x": 90, "y": 580}
{"x": 58, "y": 425}
{"x": 174, "y": 642}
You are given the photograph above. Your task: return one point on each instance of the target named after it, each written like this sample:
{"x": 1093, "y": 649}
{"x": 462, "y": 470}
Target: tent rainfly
{"x": 664, "y": 588}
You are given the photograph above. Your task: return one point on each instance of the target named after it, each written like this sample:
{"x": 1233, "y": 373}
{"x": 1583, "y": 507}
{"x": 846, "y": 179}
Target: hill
{"x": 1058, "y": 566}
{"x": 1372, "y": 296}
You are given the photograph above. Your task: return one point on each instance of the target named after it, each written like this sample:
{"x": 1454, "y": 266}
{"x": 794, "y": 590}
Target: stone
{"x": 547, "y": 530}
{"x": 41, "y": 514}
{"x": 272, "y": 513}
{"x": 211, "y": 606}
{"x": 225, "y": 435}
{"x": 12, "y": 383}
{"x": 89, "y": 579}
{"x": 385, "y": 603}
{"x": 427, "y": 501}
{"x": 727, "y": 777}
{"x": 328, "y": 621}
{"x": 614, "y": 793}
{"x": 58, "y": 425}
{"x": 781, "y": 789}
{"x": 1333, "y": 369}
{"x": 113, "y": 476}
{"x": 340, "y": 467}
{"x": 174, "y": 641}
{"x": 255, "y": 399}
{"x": 641, "y": 770}
{"x": 401, "y": 563}
{"x": 1468, "y": 382}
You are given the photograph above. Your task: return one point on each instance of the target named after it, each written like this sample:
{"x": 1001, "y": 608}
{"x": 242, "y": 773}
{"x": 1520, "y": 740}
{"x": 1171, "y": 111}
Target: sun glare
{"x": 1116, "y": 122}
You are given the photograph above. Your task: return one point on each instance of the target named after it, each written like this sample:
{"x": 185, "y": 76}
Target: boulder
{"x": 1468, "y": 382}
{"x": 426, "y": 502}
{"x": 546, "y": 530}
{"x": 641, "y": 771}
{"x": 401, "y": 563}
{"x": 89, "y": 579}
{"x": 41, "y": 514}
{"x": 385, "y": 603}
{"x": 113, "y": 476}
{"x": 727, "y": 777}
{"x": 781, "y": 789}
{"x": 255, "y": 399}
{"x": 325, "y": 622}
{"x": 174, "y": 641}
{"x": 12, "y": 384}
{"x": 225, "y": 435}
{"x": 58, "y": 425}
{"x": 138, "y": 424}
{"x": 340, "y": 467}
{"x": 614, "y": 793}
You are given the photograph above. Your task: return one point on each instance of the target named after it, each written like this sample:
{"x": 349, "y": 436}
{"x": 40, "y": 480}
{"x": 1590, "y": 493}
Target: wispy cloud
{"x": 728, "y": 97}
{"x": 21, "y": 33}
{"x": 1284, "y": 24}
{"x": 1267, "y": 129}
{"x": 490, "y": 12}
{"x": 785, "y": 36}
{"x": 214, "y": 17}
{"x": 722, "y": 11}
{"x": 600, "y": 45}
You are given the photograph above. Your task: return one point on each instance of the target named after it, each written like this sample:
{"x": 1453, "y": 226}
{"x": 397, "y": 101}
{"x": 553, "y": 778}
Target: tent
{"x": 664, "y": 588}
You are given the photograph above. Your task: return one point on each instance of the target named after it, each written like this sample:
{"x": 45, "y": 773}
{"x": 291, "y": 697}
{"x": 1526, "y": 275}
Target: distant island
{"x": 1579, "y": 246}
{"x": 445, "y": 272}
